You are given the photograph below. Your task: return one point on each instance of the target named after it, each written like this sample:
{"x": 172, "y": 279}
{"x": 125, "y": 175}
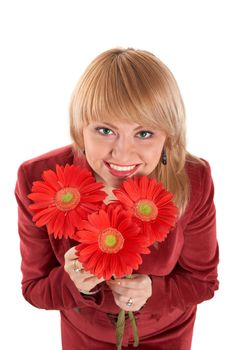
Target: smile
{"x": 120, "y": 170}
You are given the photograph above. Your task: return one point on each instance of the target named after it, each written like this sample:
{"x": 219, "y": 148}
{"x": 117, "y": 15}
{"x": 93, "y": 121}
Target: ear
{"x": 168, "y": 143}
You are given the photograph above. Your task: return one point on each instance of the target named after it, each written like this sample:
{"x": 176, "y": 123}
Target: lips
{"x": 121, "y": 172}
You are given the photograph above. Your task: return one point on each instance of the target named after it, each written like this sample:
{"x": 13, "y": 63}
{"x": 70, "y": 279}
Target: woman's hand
{"x": 134, "y": 291}
{"x": 83, "y": 280}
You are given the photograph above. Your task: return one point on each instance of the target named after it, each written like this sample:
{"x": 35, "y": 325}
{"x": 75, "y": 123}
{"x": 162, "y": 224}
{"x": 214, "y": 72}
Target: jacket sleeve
{"x": 45, "y": 284}
{"x": 194, "y": 278}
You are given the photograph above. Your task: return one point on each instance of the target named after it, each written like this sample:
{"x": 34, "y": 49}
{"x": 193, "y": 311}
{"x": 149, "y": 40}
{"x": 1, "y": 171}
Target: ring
{"x": 76, "y": 269}
{"x": 129, "y": 302}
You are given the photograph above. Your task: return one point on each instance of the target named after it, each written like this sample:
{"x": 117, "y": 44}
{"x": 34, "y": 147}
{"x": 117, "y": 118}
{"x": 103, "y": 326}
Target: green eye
{"x": 104, "y": 131}
{"x": 145, "y": 134}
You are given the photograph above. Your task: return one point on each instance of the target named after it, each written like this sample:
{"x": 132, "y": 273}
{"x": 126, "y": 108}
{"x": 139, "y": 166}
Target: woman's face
{"x": 120, "y": 150}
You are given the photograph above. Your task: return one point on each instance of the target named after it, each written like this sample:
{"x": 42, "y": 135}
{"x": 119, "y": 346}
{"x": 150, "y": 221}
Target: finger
{"x": 87, "y": 278}
{"x": 72, "y": 266}
{"x": 136, "y": 282}
{"x": 122, "y": 302}
{"x": 83, "y": 274}
{"x": 90, "y": 283}
{"x": 128, "y": 292}
{"x": 76, "y": 266}
{"x": 97, "y": 280}
{"x": 70, "y": 254}
{"x": 82, "y": 279}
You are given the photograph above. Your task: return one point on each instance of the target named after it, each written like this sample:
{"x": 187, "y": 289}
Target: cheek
{"x": 95, "y": 150}
{"x": 153, "y": 159}
{"x": 152, "y": 154}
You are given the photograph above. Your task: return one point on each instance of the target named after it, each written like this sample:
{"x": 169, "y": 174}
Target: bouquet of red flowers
{"x": 111, "y": 237}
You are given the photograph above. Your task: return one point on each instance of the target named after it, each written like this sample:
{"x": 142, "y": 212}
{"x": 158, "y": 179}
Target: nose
{"x": 124, "y": 149}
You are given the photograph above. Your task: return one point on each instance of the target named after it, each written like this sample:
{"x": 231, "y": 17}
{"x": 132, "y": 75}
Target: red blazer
{"x": 183, "y": 268}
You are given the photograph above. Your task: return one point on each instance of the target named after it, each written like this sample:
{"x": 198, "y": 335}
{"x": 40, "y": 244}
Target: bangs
{"x": 125, "y": 88}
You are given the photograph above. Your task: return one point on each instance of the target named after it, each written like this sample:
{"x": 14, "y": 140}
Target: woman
{"x": 127, "y": 118}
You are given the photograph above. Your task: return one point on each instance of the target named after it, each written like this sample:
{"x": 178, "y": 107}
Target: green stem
{"x": 120, "y": 328}
{"x": 134, "y": 327}
{"x": 133, "y": 322}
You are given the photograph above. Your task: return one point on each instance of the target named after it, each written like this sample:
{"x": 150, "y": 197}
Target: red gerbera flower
{"x": 110, "y": 243}
{"x": 64, "y": 198}
{"x": 150, "y": 204}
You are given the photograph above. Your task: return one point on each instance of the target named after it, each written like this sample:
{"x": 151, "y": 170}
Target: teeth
{"x": 122, "y": 168}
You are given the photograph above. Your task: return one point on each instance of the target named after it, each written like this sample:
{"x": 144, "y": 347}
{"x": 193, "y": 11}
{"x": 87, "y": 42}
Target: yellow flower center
{"x": 67, "y": 198}
{"x": 110, "y": 240}
{"x": 145, "y": 210}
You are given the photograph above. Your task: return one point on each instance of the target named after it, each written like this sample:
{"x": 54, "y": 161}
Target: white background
{"x": 45, "y": 46}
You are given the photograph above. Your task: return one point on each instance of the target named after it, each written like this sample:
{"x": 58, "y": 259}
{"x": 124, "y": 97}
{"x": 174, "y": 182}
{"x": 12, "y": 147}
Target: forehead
{"x": 122, "y": 123}
{"x": 118, "y": 124}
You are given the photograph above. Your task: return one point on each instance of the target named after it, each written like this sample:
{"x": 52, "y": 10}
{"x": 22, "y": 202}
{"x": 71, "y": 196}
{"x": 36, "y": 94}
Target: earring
{"x": 164, "y": 157}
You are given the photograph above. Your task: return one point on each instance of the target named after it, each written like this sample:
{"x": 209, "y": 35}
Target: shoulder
{"x": 200, "y": 184}
{"x": 198, "y": 172}
{"x": 33, "y": 168}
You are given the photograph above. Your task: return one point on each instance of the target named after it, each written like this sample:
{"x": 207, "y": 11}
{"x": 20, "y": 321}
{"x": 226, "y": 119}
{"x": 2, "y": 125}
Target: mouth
{"x": 121, "y": 170}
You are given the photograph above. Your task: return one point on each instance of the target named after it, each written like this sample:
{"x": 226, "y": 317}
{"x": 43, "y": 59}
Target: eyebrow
{"x": 112, "y": 126}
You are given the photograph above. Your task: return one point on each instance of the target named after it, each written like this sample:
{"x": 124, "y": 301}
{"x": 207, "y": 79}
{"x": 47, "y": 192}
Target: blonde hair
{"x": 135, "y": 86}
